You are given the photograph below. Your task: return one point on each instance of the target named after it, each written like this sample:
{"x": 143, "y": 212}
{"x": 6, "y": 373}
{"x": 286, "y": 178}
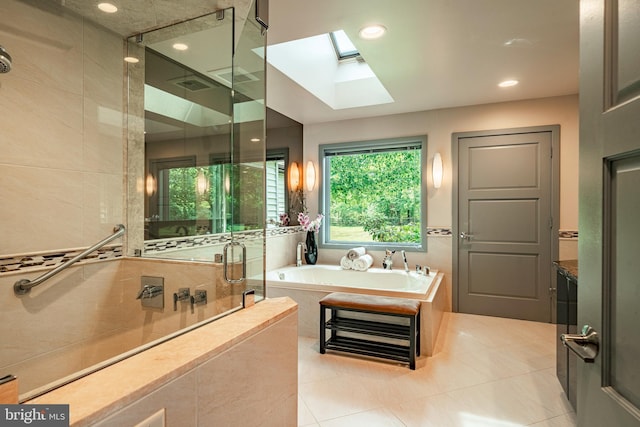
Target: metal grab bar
{"x": 22, "y": 287}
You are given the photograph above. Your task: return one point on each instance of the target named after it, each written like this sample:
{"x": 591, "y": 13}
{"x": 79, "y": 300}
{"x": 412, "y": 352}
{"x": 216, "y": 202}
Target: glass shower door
{"x": 246, "y": 251}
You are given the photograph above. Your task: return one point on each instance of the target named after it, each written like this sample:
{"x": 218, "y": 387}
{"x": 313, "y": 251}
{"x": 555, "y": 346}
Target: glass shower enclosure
{"x": 203, "y": 121}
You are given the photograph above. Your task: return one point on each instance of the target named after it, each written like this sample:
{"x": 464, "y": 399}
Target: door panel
{"x": 624, "y": 316}
{"x": 518, "y": 221}
{"x": 501, "y": 167}
{"x": 504, "y": 212}
{"x": 609, "y": 244}
{"x": 509, "y": 275}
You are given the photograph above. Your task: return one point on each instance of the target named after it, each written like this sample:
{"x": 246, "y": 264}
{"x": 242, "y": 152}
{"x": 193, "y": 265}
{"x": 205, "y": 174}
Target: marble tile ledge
{"x": 101, "y": 394}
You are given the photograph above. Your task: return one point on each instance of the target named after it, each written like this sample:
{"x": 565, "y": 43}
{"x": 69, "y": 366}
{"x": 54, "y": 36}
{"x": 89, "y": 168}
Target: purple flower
{"x": 309, "y": 225}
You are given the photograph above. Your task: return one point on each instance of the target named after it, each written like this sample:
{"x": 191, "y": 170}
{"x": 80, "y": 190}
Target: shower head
{"x": 5, "y": 61}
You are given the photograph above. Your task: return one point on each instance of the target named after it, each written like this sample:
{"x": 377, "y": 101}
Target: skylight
{"x": 343, "y": 45}
{"x": 314, "y": 64}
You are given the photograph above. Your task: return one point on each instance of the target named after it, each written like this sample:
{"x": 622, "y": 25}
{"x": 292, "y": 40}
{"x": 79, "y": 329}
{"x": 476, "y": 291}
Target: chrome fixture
{"x": 467, "y": 236}
{"x": 183, "y": 294}
{"x": 225, "y": 260}
{"x": 248, "y": 298}
{"x": 301, "y": 248}
{"x": 586, "y": 345}
{"x": 404, "y": 260}
{"x": 24, "y": 286}
{"x": 387, "y": 262}
{"x": 5, "y": 61}
{"x": 422, "y": 270}
{"x": 199, "y": 297}
{"x": 151, "y": 293}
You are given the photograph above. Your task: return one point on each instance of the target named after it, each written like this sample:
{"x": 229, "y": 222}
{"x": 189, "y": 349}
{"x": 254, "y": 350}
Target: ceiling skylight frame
{"x": 345, "y": 49}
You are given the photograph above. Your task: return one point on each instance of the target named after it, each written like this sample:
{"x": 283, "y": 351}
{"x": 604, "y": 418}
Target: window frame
{"x": 342, "y": 54}
{"x": 327, "y": 150}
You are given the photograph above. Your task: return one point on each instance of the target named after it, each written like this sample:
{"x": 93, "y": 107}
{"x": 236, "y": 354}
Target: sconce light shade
{"x": 294, "y": 176}
{"x": 437, "y": 170}
{"x": 150, "y": 185}
{"x": 202, "y": 184}
{"x": 310, "y": 177}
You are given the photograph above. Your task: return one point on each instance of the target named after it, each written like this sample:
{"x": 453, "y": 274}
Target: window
{"x": 372, "y": 194}
{"x": 276, "y": 202}
{"x": 345, "y": 49}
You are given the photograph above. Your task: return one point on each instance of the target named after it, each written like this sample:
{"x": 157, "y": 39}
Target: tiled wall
{"x": 90, "y": 313}
{"x": 61, "y": 169}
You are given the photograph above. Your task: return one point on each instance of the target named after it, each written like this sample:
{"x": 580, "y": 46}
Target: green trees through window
{"x": 374, "y": 193}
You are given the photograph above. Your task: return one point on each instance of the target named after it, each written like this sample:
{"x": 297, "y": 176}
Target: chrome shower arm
{"x": 23, "y": 286}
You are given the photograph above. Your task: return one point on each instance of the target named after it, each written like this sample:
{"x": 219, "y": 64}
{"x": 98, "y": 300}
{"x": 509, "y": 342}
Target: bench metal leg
{"x": 412, "y": 342}
{"x": 418, "y": 328}
{"x": 322, "y": 329}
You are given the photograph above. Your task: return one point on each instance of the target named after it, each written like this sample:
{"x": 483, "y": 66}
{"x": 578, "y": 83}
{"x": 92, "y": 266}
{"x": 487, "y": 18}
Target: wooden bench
{"x": 371, "y": 325}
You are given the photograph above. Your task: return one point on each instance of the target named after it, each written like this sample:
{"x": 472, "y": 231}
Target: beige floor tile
{"x": 305, "y": 417}
{"x": 374, "y": 418}
{"x": 564, "y": 420}
{"x": 337, "y": 397}
{"x": 486, "y": 371}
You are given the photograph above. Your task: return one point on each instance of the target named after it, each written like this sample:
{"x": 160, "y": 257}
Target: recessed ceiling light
{"x": 107, "y": 7}
{"x": 372, "y": 31}
{"x": 131, "y": 59}
{"x": 508, "y": 83}
{"x": 180, "y": 46}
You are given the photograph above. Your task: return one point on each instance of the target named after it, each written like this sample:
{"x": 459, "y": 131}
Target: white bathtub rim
{"x": 428, "y": 295}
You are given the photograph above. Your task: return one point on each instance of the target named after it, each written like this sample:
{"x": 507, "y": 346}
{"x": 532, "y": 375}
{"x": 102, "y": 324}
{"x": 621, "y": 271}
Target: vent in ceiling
{"x": 226, "y": 76}
{"x": 193, "y": 83}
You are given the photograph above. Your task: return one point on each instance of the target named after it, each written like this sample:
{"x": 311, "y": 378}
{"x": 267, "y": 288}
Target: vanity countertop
{"x": 568, "y": 267}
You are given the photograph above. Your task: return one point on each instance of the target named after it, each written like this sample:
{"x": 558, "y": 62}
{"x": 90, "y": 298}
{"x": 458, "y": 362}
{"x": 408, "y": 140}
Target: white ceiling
{"x": 436, "y": 53}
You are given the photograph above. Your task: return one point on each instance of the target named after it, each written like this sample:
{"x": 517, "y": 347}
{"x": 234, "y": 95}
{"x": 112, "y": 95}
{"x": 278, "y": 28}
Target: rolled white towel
{"x": 346, "y": 263}
{"x": 363, "y": 262}
{"x": 355, "y": 252}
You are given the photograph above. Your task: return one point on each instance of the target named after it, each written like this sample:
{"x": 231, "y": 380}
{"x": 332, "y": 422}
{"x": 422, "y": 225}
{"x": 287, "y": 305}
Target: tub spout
{"x": 149, "y": 292}
{"x": 300, "y": 249}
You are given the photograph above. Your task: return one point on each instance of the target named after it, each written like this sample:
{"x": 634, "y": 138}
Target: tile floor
{"x": 485, "y": 372}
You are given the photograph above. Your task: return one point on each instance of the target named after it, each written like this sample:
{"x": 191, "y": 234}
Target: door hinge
{"x": 550, "y": 223}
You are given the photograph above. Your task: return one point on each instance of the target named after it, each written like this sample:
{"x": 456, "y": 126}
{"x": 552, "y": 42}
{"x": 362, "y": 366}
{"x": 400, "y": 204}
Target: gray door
{"x": 609, "y": 242}
{"x": 503, "y": 232}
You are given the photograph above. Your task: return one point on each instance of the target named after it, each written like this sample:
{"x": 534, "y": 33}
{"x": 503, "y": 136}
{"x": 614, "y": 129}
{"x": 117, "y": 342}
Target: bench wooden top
{"x": 372, "y": 303}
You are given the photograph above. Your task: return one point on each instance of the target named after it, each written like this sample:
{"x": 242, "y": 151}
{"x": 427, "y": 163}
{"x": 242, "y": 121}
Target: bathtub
{"x": 308, "y": 284}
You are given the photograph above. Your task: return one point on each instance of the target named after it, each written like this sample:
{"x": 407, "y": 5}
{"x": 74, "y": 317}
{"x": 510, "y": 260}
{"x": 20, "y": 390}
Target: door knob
{"x": 585, "y": 345}
{"x": 467, "y": 236}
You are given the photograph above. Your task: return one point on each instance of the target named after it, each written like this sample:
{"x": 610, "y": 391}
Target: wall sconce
{"x": 436, "y": 170}
{"x": 202, "y": 183}
{"x": 294, "y": 176}
{"x": 310, "y": 176}
{"x": 150, "y": 185}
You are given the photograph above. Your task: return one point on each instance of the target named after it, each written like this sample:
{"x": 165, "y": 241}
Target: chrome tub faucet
{"x": 300, "y": 249}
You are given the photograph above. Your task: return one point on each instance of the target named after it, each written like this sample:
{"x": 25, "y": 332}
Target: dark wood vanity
{"x": 567, "y": 319}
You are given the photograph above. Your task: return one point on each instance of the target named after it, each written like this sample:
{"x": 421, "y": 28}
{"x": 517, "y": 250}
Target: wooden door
{"x": 503, "y": 232}
{"x": 609, "y": 242}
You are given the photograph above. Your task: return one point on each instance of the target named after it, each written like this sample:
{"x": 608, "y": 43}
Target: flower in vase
{"x": 284, "y": 219}
{"x": 309, "y": 225}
